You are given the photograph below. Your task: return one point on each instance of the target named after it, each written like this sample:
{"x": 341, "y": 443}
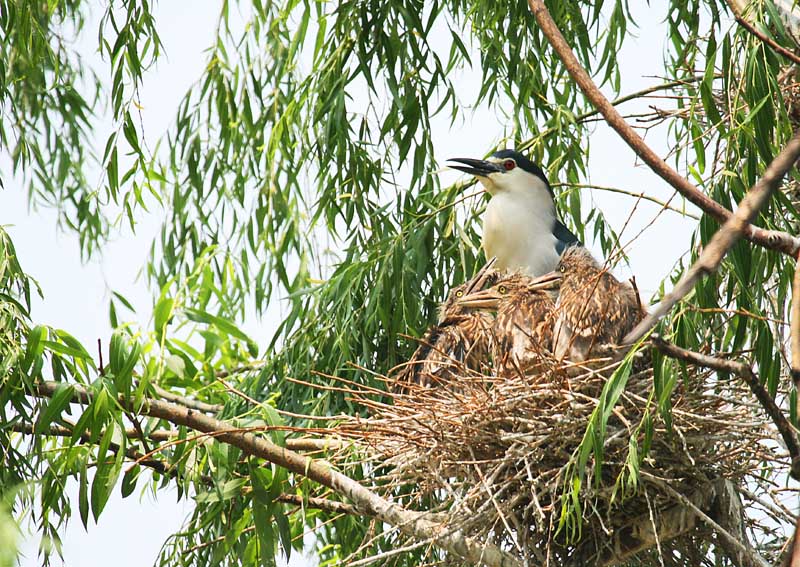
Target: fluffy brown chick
{"x": 593, "y": 307}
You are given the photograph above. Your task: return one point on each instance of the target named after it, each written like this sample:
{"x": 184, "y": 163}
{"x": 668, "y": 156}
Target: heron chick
{"x": 593, "y": 308}
{"x": 523, "y": 327}
{"x": 460, "y": 340}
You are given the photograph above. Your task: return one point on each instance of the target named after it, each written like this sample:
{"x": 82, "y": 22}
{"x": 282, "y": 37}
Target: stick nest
{"x": 531, "y": 463}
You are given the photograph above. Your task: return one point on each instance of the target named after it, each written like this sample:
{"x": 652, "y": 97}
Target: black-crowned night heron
{"x": 461, "y": 339}
{"x": 520, "y": 226}
{"x": 593, "y": 309}
{"x": 523, "y": 327}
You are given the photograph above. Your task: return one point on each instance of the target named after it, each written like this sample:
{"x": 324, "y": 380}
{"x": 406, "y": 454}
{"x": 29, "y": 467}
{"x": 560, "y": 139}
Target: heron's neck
{"x": 518, "y": 231}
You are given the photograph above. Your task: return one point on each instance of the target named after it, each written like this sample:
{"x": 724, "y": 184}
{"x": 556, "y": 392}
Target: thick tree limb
{"x": 795, "y": 329}
{"x": 738, "y": 548}
{"x": 724, "y": 239}
{"x": 774, "y": 240}
{"x": 186, "y": 402}
{"x": 716, "y": 502}
{"x": 366, "y": 502}
{"x": 747, "y": 375}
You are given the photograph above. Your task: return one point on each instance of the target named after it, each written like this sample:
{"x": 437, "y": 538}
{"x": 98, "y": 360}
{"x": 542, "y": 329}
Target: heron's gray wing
{"x": 564, "y": 237}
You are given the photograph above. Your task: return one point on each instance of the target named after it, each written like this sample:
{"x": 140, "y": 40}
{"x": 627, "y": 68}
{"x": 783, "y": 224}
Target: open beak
{"x": 479, "y": 279}
{"x": 478, "y": 167}
{"x": 550, "y": 280}
{"x": 483, "y": 299}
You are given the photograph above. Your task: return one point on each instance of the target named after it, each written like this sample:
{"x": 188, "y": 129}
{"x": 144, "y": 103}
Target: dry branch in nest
{"x": 530, "y": 463}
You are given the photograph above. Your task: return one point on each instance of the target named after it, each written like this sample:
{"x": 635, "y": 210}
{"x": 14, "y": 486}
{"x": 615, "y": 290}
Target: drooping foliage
{"x": 298, "y": 172}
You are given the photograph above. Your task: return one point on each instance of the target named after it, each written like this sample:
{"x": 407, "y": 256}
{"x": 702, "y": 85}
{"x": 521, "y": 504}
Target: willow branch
{"x": 775, "y": 240}
{"x": 736, "y": 549}
{"x": 737, "y": 13}
{"x": 365, "y": 502}
{"x": 724, "y": 239}
{"x": 616, "y": 102}
{"x": 186, "y": 402}
{"x": 747, "y": 375}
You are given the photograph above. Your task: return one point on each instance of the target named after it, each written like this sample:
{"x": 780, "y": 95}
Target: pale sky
{"x": 131, "y": 531}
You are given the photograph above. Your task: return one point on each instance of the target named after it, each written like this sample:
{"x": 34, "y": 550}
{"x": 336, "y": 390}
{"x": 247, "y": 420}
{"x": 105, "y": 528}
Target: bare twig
{"x": 365, "y": 501}
{"x": 640, "y": 195}
{"x": 724, "y": 239}
{"x": 792, "y": 557}
{"x": 616, "y": 102}
{"x": 767, "y": 238}
{"x": 731, "y": 543}
{"x": 759, "y": 391}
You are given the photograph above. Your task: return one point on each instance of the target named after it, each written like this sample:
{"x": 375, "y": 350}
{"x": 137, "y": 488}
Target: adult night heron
{"x": 523, "y": 327}
{"x": 593, "y": 309}
{"x": 460, "y": 341}
{"x": 520, "y": 226}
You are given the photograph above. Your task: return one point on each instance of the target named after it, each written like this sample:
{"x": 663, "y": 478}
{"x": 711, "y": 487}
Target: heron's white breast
{"x": 517, "y": 230}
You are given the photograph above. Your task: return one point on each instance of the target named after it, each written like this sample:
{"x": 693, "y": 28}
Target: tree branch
{"x": 366, "y": 502}
{"x": 724, "y": 239}
{"x": 186, "y": 402}
{"x": 775, "y": 240}
{"x": 740, "y": 552}
{"x": 794, "y": 329}
{"x": 744, "y": 372}
{"x": 737, "y": 13}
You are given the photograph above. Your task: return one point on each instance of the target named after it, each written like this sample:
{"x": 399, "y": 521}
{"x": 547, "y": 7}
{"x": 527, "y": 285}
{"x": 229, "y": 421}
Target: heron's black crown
{"x": 523, "y": 163}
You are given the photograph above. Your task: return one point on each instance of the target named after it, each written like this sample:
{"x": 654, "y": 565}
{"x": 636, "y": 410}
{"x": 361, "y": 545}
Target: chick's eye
{"x": 509, "y": 164}
{"x": 459, "y": 293}
{"x": 562, "y": 269}
{"x": 502, "y": 289}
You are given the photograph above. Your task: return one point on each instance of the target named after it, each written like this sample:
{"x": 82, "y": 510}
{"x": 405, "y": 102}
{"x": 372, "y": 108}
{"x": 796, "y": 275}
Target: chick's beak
{"x": 484, "y": 299}
{"x": 550, "y": 280}
{"x": 477, "y": 167}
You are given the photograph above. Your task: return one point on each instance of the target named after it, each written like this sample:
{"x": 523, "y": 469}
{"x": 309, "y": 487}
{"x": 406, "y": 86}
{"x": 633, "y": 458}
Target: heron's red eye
{"x": 509, "y": 164}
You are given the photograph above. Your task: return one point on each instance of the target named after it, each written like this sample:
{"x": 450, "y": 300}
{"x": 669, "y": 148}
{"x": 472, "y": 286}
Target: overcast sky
{"x": 131, "y": 531}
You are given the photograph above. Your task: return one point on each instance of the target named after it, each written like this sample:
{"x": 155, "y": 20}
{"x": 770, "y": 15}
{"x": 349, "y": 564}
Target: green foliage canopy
{"x": 279, "y": 179}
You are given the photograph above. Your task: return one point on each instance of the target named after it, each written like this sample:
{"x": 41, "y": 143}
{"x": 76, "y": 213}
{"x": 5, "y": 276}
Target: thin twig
{"x": 746, "y": 551}
{"x": 641, "y": 195}
{"x": 774, "y": 240}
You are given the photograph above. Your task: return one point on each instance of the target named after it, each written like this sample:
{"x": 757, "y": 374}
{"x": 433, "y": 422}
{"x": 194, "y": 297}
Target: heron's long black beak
{"x": 479, "y": 167}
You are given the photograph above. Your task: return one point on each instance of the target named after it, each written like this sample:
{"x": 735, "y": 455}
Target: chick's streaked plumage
{"x": 522, "y": 331}
{"x": 593, "y": 307}
{"x": 460, "y": 340}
